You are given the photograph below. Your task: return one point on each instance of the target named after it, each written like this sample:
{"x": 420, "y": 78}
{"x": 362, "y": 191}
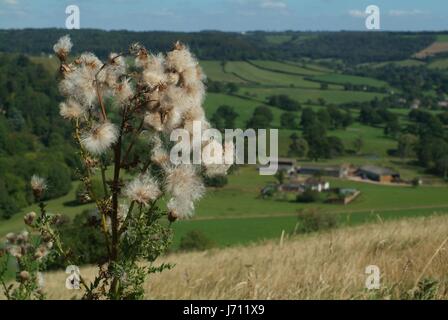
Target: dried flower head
{"x": 38, "y": 185}
{"x": 62, "y": 47}
{"x": 100, "y": 138}
{"x": 123, "y": 91}
{"x": 185, "y": 187}
{"x": 24, "y": 276}
{"x": 11, "y": 237}
{"x": 80, "y": 84}
{"x": 71, "y": 109}
{"x": 143, "y": 190}
{"x": 180, "y": 59}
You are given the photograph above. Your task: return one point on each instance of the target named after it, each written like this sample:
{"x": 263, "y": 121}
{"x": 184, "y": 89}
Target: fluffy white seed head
{"x": 100, "y": 138}
{"x": 71, "y": 109}
{"x": 159, "y": 155}
{"x": 185, "y": 187}
{"x": 38, "y": 184}
{"x": 91, "y": 61}
{"x": 143, "y": 190}
{"x": 154, "y": 70}
{"x": 154, "y": 120}
{"x": 62, "y": 47}
{"x": 123, "y": 91}
{"x": 180, "y": 59}
{"x": 80, "y": 85}
{"x": 180, "y": 208}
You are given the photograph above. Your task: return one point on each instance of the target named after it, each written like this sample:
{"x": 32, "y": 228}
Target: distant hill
{"x": 350, "y": 47}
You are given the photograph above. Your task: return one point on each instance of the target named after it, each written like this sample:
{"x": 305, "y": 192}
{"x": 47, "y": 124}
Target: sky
{"x": 226, "y": 15}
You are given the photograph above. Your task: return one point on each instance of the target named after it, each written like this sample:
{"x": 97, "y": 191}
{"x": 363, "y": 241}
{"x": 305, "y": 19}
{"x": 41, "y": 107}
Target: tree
{"x": 289, "y": 120}
{"x": 284, "y": 102}
{"x": 392, "y": 127}
{"x": 358, "y": 144}
{"x": 231, "y": 88}
{"x": 324, "y": 118}
{"x": 442, "y": 166}
{"x": 224, "y": 118}
{"x": 308, "y": 117}
{"x": 280, "y": 176}
{"x": 336, "y": 147}
{"x": 315, "y": 135}
{"x": 261, "y": 118}
{"x": 299, "y": 147}
{"x": 406, "y": 145}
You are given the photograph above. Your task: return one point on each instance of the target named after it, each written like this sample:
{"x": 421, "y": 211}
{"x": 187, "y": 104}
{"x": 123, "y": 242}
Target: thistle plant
{"x": 123, "y": 111}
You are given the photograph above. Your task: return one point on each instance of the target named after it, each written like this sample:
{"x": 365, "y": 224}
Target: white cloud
{"x": 357, "y": 13}
{"x": 273, "y": 4}
{"x": 401, "y": 13}
{"x": 262, "y": 4}
{"x": 11, "y": 2}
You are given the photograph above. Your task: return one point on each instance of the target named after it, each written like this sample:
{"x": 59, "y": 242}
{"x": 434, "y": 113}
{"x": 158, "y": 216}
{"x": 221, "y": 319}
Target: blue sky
{"x": 227, "y": 15}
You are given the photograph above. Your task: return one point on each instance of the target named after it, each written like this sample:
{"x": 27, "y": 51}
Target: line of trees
{"x": 350, "y": 47}
{"x": 33, "y": 139}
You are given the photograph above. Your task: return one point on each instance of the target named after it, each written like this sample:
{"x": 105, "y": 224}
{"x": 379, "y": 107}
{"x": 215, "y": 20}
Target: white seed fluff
{"x": 100, "y": 138}
{"x": 38, "y": 183}
{"x": 143, "y": 190}
{"x": 63, "y": 46}
{"x": 71, "y": 109}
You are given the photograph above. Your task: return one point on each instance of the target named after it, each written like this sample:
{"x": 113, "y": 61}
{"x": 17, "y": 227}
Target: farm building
{"x": 316, "y": 185}
{"x": 327, "y": 171}
{"x": 377, "y": 174}
{"x": 284, "y": 164}
{"x": 291, "y": 187}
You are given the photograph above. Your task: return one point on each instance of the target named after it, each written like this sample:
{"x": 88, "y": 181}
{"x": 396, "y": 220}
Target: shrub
{"x": 308, "y": 196}
{"x": 313, "y": 220}
{"x": 84, "y": 238}
{"x": 216, "y": 181}
{"x": 195, "y": 240}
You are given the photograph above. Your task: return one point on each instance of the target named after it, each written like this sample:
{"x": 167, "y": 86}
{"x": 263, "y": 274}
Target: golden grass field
{"x": 433, "y": 49}
{"x": 328, "y": 265}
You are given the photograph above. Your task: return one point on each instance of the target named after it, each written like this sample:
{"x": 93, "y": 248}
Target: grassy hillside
{"x": 303, "y": 95}
{"x": 317, "y": 266}
{"x": 253, "y": 74}
{"x": 343, "y": 79}
{"x": 235, "y": 214}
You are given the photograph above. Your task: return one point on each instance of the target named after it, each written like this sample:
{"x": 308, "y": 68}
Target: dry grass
{"x": 318, "y": 266}
{"x": 433, "y": 49}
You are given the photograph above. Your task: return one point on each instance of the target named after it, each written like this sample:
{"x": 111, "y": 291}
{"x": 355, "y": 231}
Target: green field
{"x": 255, "y": 75}
{"x": 343, "y": 79}
{"x": 401, "y": 63}
{"x": 442, "y": 38}
{"x": 236, "y": 209}
{"x": 244, "y": 108}
{"x": 303, "y": 95}
{"x": 214, "y": 71}
{"x": 439, "y": 64}
{"x": 286, "y": 68}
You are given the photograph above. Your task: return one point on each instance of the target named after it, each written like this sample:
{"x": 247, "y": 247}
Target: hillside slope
{"x": 318, "y": 266}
